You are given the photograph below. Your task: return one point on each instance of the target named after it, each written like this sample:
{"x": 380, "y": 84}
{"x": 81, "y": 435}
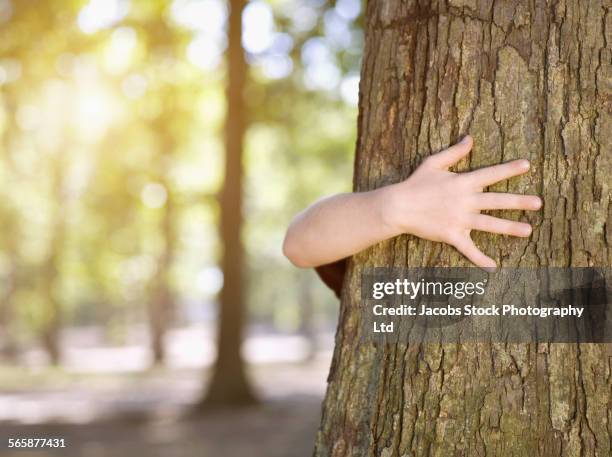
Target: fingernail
{"x": 527, "y": 230}
{"x": 492, "y": 269}
{"x": 465, "y": 139}
{"x": 524, "y": 164}
{"x": 537, "y": 203}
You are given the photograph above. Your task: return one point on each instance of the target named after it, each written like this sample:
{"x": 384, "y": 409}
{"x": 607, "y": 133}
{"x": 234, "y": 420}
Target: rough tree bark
{"x": 229, "y": 385}
{"x": 527, "y": 80}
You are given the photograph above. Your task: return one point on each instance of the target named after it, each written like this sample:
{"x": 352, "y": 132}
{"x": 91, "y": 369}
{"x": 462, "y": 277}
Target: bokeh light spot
{"x": 205, "y": 52}
{"x": 10, "y": 70}
{"x": 101, "y": 14}
{"x": 154, "y": 195}
{"x": 134, "y": 86}
{"x": 349, "y": 89}
{"x": 200, "y": 15}
{"x": 348, "y": 9}
{"x": 210, "y": 280}
{"x": 258, "y": 27}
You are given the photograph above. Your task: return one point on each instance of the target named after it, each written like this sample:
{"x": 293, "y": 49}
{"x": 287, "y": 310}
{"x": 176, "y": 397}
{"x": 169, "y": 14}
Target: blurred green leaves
{"x": 110, "y": 122}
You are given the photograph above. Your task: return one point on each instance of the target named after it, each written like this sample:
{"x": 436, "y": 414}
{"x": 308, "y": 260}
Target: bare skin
{"x": 433, "y": 203}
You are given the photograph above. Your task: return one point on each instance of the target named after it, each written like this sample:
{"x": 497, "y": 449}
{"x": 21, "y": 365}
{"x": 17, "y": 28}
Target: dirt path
{"x": 123, "y": 417}
{"x": 280, "y": 428}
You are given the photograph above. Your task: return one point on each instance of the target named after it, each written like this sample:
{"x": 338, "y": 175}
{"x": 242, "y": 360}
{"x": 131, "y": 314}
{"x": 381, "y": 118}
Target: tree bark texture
{"x": 527, "y": 79}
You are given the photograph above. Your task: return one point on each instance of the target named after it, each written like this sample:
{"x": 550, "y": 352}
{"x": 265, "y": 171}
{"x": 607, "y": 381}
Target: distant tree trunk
{"x": 307, "y": 316}
{"x": 229, "y": 384}
{"x": 10, "y": 238}
{"x": 52, "y": 324}
{"x": 8, "y": 346}
{"x": 161, "y": 302}
{"x": 527, "y": 80}
{"x": 161, "y": 307}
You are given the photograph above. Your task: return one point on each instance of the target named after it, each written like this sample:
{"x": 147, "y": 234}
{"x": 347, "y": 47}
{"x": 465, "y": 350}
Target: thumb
{"x": 453, "y": 154}
{"x": 466, "y": 246}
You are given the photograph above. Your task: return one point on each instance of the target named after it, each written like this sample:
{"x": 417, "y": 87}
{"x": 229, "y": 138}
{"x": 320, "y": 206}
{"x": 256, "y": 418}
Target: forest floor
{"x": 278, "y": 428}
{"x": 121, "y": 414}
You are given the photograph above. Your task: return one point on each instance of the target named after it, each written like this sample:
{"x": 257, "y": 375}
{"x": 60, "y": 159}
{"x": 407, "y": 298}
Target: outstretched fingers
{"x": 491, "y": 224}
{"x": 492, "y": 200}
{"x": 490, "y": 175}
{"x": 466, "y": 246}
{"x": 452, "y": 155}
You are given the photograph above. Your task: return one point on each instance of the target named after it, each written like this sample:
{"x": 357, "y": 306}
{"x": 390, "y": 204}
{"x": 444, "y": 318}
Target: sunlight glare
{"x": 348, "y": 9}
{"x": 205, "y": 52}
{"x": 119, "y": 52}
{"x": 258, "y": 27}
{"x": 101, "y": 14}
{"x": 210, "y": 280}
{"x": 337, "y": 30}
{"x": 134, "y": 86}
{"x": 154, "y": 195}
{"x": 200, "y": 15}
{"x": 303, "y": 17}
{"x": 94, "y": 112}
{"x": 321, "y": 70}
{"x": 276, "y": 63}
{"x": 276, "y": 66}
{"x": 349, "y": 89}
{"x": 10, "y": 70}
{"x": 207, "y": 18}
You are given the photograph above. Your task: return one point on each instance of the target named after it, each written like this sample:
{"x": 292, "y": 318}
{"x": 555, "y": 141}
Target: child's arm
{"x": 433, "y": 203}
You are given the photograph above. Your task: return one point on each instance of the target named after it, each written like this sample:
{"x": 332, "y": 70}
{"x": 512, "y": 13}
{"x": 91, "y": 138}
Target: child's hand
{"x": 438, "y": 205}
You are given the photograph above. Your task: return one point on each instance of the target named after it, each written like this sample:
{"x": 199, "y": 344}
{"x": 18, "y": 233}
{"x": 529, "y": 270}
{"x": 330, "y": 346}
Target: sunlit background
{"x": 111, "y": 162}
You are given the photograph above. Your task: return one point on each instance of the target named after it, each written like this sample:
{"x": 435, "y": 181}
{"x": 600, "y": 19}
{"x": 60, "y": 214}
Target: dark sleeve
{"x": 332, "y": 275}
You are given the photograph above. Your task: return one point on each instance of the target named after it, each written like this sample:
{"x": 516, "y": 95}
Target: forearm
{"x": 433, "y": 203}
{"x": 337, "y": 227}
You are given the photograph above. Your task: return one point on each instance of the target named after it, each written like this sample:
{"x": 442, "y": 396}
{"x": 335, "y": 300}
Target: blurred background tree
{"x": 114, "y": 129}
{"x": 113, "y": 167}
{"x": 229, "y": 384}
{"x": 112, "y": 116}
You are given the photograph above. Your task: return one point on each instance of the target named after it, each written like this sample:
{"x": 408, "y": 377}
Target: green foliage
{"x": 111, "y": 154}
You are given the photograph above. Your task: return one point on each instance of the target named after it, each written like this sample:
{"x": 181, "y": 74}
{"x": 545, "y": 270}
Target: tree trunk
{"x": 53, "y": 314}
{"x": 229, "y": 385}
{"x": 308, "y": 327}
{"x": 9, "y": 349}
{"x": 161, "y": 302}
{"x": 527, "y": 80}
{"x": 161, "y": 305}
